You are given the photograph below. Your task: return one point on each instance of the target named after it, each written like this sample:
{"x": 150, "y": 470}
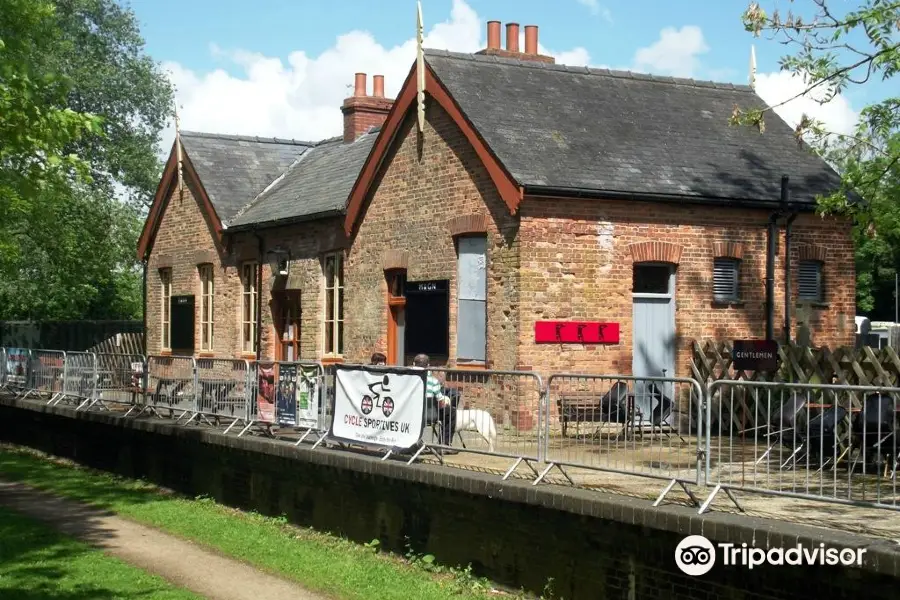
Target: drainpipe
{"x": 144, "y": 304}
{"x": 785, "y": 200}
{"x": 770, "y": 276}
{"x": 259, "y": 282}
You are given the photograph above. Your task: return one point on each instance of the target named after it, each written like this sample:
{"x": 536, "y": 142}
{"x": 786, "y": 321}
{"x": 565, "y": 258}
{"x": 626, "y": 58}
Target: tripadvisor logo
{"x": 695, "y": 555}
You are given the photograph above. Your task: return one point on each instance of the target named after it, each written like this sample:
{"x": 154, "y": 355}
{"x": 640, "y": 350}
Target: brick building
{"x": 533, "y": 192}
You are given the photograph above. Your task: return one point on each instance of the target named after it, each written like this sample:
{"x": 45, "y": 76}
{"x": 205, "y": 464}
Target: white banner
{"x": 383, "y": 408}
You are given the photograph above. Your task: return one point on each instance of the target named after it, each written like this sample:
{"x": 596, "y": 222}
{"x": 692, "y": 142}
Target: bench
{"x": 615, "y": 406}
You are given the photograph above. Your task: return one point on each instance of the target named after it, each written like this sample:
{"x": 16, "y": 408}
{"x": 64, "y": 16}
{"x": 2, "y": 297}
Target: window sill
{"x": 247, "y": 355}
{"x": 473, "y": 366}
{"x": 165, "y": 353}
{"x": 737, "y": 303}
{"x": 331, "y": 360}
{"x": 813, "y": 304}
{"x": 206, "y": 355}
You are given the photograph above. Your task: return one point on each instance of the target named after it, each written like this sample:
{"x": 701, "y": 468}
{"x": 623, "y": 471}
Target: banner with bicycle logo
{"x": 383, "y": 407}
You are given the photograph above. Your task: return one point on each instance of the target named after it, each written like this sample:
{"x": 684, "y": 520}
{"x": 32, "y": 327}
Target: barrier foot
{"x": 246, "y": 429}
{"x": 546, "y": 472}
{"x": 303, "y": 437}
{"x": 712, "y": 496}
{"x": 82, "y": 405}
{"x": 665, "y": 492}
{"x": 318, "y": 441}
{"x": 233, "y": 423}
{"x": 131, "y": 409}
{"x": 387, "y": 454}
{"x": 417, "y": 454}
{"x": 189, "y": 420}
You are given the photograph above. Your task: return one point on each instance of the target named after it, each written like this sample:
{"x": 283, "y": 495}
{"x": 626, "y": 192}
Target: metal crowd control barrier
{"x": 286, "y": 395}
{"x": 171, "y": 385}
{"x": 119, "y": 380}
{"x": 222, "y": 390}
{"x": 499, "y": 411}
{"x": 45, "y": 374}
{"x": 647, "y": 426}
{"x": 18, "y": 362}
{"x": 832, "y": 443}
{"x": 80, "y": 378}
{"x": 3, "y": 372}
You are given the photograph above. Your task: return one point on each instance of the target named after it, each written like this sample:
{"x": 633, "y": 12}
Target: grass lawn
{"x": 319, "y": 562}
{"x": 36, "y": 562}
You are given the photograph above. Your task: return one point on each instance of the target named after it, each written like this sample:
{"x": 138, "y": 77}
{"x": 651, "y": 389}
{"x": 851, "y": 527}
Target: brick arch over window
{"x": 812, "y": 252}
{"x": 464, "y": 224}
{"x": 663, "y": 252}
{"x": 395, "y": 259}
{"x": 728, "y": 250}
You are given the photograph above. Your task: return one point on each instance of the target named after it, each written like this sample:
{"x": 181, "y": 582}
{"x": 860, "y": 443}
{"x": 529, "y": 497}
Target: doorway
{"x": 653, "y": 328}
{"x": 396, "y": 332}
{"x": 287, "y": 325}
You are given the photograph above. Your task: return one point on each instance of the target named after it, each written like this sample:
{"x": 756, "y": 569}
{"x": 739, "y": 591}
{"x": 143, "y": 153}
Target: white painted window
{"x": 165, "y": 280}
{"x": 207, "y": 314}
{"x": 248, "y": 307}
{"x": 333, "y": 274}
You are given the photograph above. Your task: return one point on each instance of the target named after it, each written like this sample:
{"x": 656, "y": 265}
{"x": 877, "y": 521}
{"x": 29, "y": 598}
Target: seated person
{"x": 438, "y": 407}
{"x": 379, "y": 359}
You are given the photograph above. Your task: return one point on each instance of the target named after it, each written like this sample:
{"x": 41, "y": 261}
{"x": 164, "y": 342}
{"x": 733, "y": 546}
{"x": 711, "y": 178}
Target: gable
{"x": 509, "y": 191}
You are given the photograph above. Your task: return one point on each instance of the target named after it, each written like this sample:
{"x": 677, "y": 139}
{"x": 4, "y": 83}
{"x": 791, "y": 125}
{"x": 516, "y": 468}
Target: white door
{"x": 653, "y": 331}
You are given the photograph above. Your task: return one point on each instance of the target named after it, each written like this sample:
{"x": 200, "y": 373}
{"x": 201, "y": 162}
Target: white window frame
{"x": 249, "y": 276}
{"x": 334, "y": 346}
{"x": 165, "y": 313}
{"x": 207, "y": 307}
{"x": 820, "y": 284}
{"x": 734, "y": 265}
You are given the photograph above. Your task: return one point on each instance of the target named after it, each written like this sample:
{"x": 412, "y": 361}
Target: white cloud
{"x": 597, "y": 9}
{"x": 676, "y": 53}
{"x": 837, "y": 115}
{"x": 300, "y": 98}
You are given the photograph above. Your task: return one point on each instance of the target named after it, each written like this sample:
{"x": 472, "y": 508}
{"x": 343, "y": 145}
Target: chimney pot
{"x": 531, "y": 39}
{"x": 493, "y": 34}
{"x": 378, "y": 86}
{"x": 512, "y": 37}
{"x": 360, "y": 85}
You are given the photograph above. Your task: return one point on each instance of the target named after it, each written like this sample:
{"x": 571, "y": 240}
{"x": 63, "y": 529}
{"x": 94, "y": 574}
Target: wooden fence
{"x": 70, "y": 335}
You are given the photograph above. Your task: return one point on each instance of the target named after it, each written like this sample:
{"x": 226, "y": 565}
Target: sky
{"x": 282, "y": 68}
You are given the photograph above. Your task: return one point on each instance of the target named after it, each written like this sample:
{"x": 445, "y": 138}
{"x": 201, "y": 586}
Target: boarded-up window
{"x": 809, "y": 281}
{"x": 471, "y": 326}
{"x": 725, "y": 279}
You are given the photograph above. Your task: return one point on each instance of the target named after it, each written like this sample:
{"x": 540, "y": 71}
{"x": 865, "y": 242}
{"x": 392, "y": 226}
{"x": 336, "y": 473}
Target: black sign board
{"x": 755, "y": 355}
{"x": 182, "y": 311}
{"x": 427, "y": 317}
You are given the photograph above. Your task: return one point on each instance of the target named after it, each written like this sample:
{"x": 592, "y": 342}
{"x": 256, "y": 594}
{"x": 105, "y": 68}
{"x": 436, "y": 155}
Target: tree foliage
{"x": 81, "y": 108}
{"x": 831, "y": 50}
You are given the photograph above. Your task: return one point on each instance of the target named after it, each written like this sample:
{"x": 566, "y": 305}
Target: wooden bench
{"x": 589, "y": 407}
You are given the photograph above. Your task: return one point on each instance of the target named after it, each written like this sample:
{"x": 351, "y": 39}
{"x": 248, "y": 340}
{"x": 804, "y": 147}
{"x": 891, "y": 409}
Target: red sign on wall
{"x": 576, "y": 332}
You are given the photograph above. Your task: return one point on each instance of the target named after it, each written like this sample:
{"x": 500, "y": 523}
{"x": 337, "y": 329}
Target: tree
{"x": 81, "y": 107}
{"x": 832, "y": 50}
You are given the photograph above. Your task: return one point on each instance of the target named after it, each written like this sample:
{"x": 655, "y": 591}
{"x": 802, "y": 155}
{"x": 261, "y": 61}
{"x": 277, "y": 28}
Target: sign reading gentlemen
{"x": 755, "y": 355}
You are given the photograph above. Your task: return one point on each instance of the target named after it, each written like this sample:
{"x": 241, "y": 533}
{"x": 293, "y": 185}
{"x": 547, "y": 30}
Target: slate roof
{"x": 554, "y": 126}
{"x": 234, "y": 169}
{"x": 318, "y": 183}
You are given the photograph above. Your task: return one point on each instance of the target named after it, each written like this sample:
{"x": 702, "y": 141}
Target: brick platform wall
{"x": 421, "y": 190}
{"x": 577, "y": 264}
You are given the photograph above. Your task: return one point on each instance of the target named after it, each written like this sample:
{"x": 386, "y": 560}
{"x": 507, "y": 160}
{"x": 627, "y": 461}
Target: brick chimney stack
{"x": 362, "y": 112}
{"x": 512, "y": 43}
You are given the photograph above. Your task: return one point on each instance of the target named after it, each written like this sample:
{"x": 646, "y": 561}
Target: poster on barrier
{"x": 16, "y": 365}
{"x": 265, "y": 395}
{"x": 308, "y": 397}
{"x": 383, "y": 408}
{"x": 286, "y": 401}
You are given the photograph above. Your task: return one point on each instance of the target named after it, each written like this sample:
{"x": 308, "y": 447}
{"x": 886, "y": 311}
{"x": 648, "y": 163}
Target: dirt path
{"x": 182, "y": 563}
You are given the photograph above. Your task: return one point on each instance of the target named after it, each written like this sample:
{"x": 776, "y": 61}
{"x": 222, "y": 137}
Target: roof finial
{"x": 752, "y": 67}
{"x": 178, "y": 148}
{"x": 420, "y": 68}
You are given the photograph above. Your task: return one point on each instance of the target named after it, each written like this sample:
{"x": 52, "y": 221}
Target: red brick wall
{"x": 306, "y": 242}
{"x": 576, "y": 264}
{"x": 361, "y": 113}
{"x": 421, "y": 189}
{"x": 184, "y": 239}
